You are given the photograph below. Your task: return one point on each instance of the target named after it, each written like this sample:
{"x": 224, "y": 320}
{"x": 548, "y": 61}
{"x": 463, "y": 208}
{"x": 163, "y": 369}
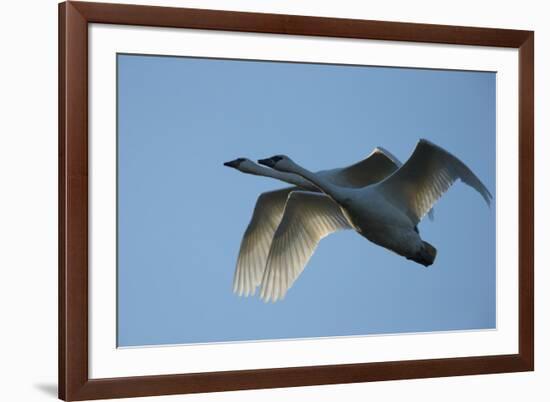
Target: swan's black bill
{"x": 270, "y": 162}
{"x": 234, "y": 163}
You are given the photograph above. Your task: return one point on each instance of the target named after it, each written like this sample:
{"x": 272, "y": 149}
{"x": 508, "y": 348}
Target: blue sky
{"x": 181, "y": 213}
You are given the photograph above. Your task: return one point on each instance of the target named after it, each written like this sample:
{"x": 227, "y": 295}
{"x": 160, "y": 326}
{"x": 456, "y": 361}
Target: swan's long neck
{"x": 283, "y": 176}
{"x": 333, "y": 191}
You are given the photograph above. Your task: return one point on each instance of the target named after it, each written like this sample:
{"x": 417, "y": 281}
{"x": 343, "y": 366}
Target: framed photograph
{"x": 258, "y": 200}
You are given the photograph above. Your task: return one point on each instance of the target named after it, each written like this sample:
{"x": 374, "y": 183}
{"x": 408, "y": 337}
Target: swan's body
{"x": 385, "y": 212}
{"x": 270, "y": 206}
{"x": 381, "y": 222}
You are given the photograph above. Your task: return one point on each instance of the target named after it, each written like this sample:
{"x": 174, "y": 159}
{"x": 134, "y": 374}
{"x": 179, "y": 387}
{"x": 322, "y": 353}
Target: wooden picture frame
{"x": 74, "y": 381}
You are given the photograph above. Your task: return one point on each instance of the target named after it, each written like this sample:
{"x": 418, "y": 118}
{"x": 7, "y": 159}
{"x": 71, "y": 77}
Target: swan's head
{"x": 235, "y": 163}
{"x": 278, "y": 162}
{"x": 242, "y": 164}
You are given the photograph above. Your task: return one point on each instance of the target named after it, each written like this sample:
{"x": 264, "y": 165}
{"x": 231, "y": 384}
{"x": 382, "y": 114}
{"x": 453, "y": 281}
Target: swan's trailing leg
{"x": 426, "y": 255}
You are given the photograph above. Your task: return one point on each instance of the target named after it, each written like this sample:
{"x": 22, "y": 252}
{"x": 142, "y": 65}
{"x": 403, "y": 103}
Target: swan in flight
{"x": 270, "y": 205}
{"x": 386, "y": 212}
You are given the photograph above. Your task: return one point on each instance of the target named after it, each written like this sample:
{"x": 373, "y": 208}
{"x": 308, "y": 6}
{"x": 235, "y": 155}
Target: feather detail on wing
{"x": 308, "y": 217}
{"x": 257, "y": 241}
{"x": 425, "y": 177}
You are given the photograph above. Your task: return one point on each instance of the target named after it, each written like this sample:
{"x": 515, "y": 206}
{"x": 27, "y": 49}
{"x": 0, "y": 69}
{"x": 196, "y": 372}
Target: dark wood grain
{"x": 299, "y": 376}
{"x": 299, "y": 25}
{"x": 62, "y": 206}
{"x": 73, "y": 201}
{"x": 527, "y": 201}
{"x": 74, "y": 382}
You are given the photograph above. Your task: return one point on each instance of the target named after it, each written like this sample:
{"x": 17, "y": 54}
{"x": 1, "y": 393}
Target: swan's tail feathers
{"x": 426, "y": 254}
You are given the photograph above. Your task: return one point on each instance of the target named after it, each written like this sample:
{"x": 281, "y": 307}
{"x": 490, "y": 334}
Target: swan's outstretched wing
{"x": 380, "y": 164}
{"x": 308, "y": 217}
{"x": 257, "y": 241}
{"x": 374, "y": 168}
{"x": 425, "y": 177}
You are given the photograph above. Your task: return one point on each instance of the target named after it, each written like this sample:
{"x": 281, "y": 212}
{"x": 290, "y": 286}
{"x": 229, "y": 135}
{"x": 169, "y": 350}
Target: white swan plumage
{"x": 385, "y": 212}
{"x": 270, "y": 206}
